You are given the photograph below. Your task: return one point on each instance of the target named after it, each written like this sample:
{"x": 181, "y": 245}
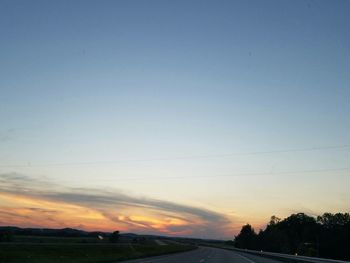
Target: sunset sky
{"x": 185, "y": 118}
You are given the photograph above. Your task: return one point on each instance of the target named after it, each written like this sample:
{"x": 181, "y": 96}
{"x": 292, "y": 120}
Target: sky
{"x": 182, "y": 118}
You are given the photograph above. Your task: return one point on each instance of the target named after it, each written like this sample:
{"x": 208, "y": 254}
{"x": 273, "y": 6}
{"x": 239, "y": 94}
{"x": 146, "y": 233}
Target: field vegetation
{"x": 36, "y": 249}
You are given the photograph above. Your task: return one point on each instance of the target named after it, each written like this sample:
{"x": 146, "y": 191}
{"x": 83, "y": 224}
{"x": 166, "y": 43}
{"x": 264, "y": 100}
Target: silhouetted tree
{"x": 327, "y": 236}
{"x": 274, "y": 220}
{"x": 334, "y": 236}
{"x": 273, "y": 238}
{"x": 329, "y": 220}
{"x": 114, "y": 237}
{"x": 247, "y": 238}
{"x": 300, "y": 229}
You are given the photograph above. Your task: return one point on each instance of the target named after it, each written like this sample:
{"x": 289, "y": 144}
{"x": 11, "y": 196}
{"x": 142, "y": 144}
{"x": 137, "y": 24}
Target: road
{"x": 206, "y": 255}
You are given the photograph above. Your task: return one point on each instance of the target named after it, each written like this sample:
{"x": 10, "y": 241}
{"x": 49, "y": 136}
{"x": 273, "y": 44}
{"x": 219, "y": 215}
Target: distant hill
{"x": 71, "y": 232}
{"x": 64, "y": 232}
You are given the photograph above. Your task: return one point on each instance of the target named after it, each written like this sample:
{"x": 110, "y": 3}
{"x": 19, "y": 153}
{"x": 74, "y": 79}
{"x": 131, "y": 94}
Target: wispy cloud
{"x": 117, "y": 209}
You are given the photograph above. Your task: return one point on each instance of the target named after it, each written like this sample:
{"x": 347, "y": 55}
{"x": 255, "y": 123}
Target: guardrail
{"x": 290, "y": 258}
{"x": 282, "y": 257}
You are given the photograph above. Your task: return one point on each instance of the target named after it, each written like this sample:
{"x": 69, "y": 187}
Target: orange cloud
{"x": 30, "y": 203}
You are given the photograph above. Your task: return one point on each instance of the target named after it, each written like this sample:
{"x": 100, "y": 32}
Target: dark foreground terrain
{"x": 70, "y": 252}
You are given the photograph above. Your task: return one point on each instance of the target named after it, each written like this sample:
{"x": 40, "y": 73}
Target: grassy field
{"x": 40, "y": 239}
{"x": 81, "y": 253}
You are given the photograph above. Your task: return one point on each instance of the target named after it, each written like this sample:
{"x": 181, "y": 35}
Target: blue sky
{"x": 105, "y": 81}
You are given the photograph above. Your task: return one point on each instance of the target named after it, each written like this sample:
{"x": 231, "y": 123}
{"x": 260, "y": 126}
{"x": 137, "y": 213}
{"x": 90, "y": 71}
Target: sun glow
{"x": 32, "y": 212}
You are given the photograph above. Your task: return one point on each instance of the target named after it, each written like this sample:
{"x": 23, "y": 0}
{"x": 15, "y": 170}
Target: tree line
{"x": 325, "y": 236}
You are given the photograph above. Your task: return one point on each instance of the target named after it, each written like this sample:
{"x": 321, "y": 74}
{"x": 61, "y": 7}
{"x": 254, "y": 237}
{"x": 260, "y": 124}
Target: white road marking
{"x": 164, "y": 257}
{"x": 249, "y": 260}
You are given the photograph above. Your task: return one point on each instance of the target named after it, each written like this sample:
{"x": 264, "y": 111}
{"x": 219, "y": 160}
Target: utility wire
{"x": 334, "y": 147}
{"x": 231, "y": 175}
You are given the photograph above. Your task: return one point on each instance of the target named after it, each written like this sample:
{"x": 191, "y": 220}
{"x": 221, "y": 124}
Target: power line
{"x": 233, "y": 175}
{"x": 334, "y": 147}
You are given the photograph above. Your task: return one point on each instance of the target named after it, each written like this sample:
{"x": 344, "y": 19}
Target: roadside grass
{"x": 81, "y": 253}
{"x": 53, "y": 239}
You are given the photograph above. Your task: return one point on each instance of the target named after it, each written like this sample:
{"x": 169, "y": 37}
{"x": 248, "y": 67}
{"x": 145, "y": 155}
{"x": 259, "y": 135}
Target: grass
{"x": 81, "y": 253}
{"x": 44, "y": 239}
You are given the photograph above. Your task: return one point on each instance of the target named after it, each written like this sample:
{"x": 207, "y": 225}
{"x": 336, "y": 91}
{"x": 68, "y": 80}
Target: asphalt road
{"x": 206, "y": 255}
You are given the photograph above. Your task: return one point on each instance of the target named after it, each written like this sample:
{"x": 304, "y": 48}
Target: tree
{"x": 334, "y": 237}
{"x": 114, "y": 237}
{"x": 327, "y": 236}
{"x": 274, "y": 220}
{"x": 329, "y": 220}
{"x": 247, "y": 238}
